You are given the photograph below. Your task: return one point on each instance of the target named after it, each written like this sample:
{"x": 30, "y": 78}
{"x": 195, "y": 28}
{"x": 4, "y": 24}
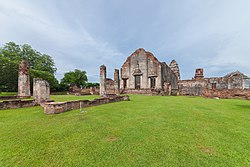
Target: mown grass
{"x": 62, "y": 98}
{"x": 8, "y": 93}
{"x": 146, "y": 131}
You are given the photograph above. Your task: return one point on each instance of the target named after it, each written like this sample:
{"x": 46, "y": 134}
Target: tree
{"x": 92, "y": 84}
{"x": 8, "y": 74}
{"x": 77, "y": 77}
{"x": 46, "y": 76}
{"x": 41, "y": 65}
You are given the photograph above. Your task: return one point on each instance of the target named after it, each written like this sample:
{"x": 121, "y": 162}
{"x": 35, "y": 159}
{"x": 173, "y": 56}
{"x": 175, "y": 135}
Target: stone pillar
{"x": 103, "y": 77}
{"x": 199, "y": 74}
{"x": 117, "y": 82}
{"x": 23, "y": 79}
{"x": 41, "y": 90}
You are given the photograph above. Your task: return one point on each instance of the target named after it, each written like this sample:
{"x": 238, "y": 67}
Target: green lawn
{"x": 146, "y": 131}
{"x": 62, "y": 98}
{"x": 8, "y": 93}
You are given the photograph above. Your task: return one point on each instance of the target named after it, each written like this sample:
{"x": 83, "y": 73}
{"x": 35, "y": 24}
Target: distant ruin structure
{"x": 229, "y": 86}
{"x": 143, "y": 73}
{"x": 41, "y": 90}
{"x": 103, "y": 77}
{"x": 199, "y": 74}
{"x": 175, "y": 68}
{"x": 24, "y": 79}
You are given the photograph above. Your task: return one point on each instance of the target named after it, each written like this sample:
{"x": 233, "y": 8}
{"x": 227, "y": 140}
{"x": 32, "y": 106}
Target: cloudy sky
{"x": 83, "y": 34}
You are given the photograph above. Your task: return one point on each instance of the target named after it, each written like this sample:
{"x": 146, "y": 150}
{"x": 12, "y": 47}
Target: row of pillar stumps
{"x": 103, "y": 78}
{"x": 41, "y": 88}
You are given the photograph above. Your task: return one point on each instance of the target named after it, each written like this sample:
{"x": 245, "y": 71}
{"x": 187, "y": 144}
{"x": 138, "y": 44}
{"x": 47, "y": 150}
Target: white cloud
{"x": 80, "y": 34}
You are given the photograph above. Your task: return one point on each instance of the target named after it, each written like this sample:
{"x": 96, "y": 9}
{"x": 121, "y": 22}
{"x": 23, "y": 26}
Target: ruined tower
{"x": 117, "y": 82}
{"x": 24, "y": 79}
{"x": 103, "y": 77}
{"x": 175, "y": 68}
{"x": 199, "y": 74}
{"x": 41, "y": 90}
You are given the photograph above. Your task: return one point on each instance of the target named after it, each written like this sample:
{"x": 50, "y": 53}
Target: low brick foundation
{"x": 60, "y": 107}
{"x": 13, "y": 97}
{"x": 227, "y": 93}
{"x": 17, "y": 104}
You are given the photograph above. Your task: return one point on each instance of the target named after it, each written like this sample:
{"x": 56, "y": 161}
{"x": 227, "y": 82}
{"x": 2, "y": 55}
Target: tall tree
{"x": 8, "y": 74}
{"x": 41, "y": 65}
{"x": 77, "y": 77}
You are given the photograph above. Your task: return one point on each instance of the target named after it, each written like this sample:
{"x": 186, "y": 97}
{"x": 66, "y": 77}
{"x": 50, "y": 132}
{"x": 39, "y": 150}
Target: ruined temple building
{"x": 227, "y": 85}
{"x": 143, "y": 73}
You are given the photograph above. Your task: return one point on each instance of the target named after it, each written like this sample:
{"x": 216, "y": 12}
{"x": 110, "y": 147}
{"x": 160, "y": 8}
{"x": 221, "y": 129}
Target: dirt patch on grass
{"x": 112, "y": 138}
{"x": 205, "y": 149}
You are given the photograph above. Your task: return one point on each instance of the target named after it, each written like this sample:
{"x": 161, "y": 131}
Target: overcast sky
{"x": 81, "y": 34}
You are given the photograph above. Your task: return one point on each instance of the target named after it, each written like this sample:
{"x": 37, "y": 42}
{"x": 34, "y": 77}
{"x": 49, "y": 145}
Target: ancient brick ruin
{"x": 24, "y": 79}
{"x": 60, "y": 107}
{"x": 233, "y": 85}
{"x": 103, "y": 76}
{"x": 175, "y": 68}
{"x": 41, "y": 90}
{"x": 142, "y": 73}
{"x": 17, "y": 103}
{"x": 116, "y": 82}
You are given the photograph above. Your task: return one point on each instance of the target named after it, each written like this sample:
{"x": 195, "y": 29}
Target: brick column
{"x": 24, "y": 79}
{"x": 103, "y": 76}
{"x": 41, "y": 90}
{"x": 117, "y": 82}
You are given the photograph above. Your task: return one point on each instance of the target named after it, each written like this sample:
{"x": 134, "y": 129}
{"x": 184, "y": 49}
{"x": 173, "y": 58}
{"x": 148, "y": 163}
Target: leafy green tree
{"x": 41, "y": 65}
{"x": 77, "y": 77}
{"x": 92, "y": 84}
{"x": 46, "y": 76}
{"x": 8, "y": 74}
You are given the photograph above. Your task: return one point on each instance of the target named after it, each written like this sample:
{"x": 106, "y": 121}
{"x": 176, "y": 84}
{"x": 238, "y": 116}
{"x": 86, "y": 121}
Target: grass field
{"x": 62, "y": 98}
{"x": 8, "y": 93}
{"x": 146, "y": 131}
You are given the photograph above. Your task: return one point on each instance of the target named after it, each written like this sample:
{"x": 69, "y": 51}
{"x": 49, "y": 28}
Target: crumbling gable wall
{"x": 175, "y": 68}
{"x": 170, "y": 79}
{"x": 144, "y": 64}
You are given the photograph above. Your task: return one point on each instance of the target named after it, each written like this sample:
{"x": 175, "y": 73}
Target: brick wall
{"x": 17, "y": 104}
{"x": 60, "y": 107}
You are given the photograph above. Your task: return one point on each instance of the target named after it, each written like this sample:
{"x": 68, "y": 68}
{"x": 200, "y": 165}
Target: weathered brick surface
{"x": 175, "y": 68}
{"x": 227, "y": 93}
{"x": 74, "y": 90}
{"x": 116, "y": 82}
{"x": 103, "y": 76}
{"x": 41, "y": 90}
{"x": 192, "y": 87}
{"x": 152, "y": 73}
{"x": 60, "y": 107}
{"x": 17, "y": 104}
{"x": 233, "y": 85}
{"x": 24, "y": 79}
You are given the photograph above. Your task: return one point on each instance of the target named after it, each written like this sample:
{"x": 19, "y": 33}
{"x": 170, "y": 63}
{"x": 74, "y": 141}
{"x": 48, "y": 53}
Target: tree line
{"x": 41, "y": 66}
